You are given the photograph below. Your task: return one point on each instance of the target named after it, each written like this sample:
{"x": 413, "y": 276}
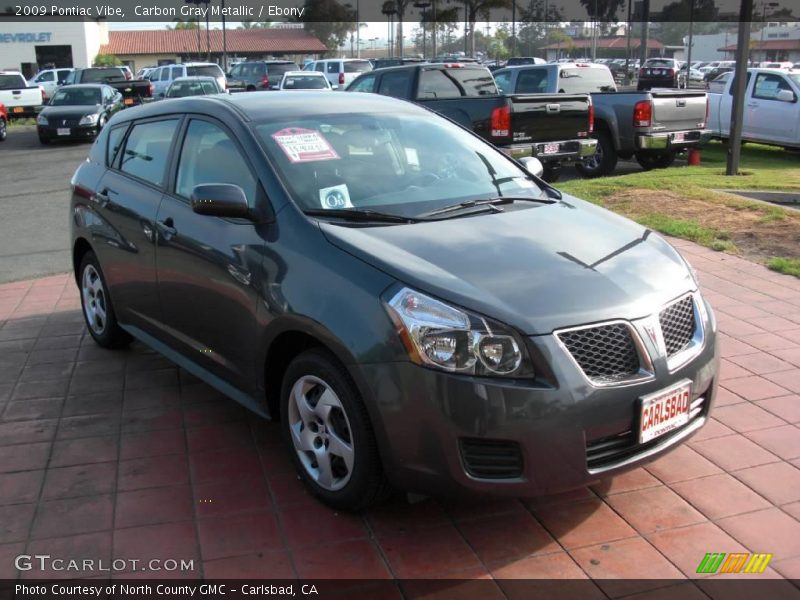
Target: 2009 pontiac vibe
{"x": 419, "y": 310}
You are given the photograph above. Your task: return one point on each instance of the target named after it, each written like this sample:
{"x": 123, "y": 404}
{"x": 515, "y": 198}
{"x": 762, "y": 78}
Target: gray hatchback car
{"x": 419, "y": 310}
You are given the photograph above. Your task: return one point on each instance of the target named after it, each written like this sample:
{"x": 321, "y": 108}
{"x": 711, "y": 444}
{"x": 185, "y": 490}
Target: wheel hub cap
{"x": 94, "y": 300}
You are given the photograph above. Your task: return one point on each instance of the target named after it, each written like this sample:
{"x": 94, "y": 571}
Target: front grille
{"x": 491, "y": 459}
{"x": 65, "y": 122}
{"x": 677, "y": 325}
{"x": 605, "y": 453}
{"x": 605, "y": 353}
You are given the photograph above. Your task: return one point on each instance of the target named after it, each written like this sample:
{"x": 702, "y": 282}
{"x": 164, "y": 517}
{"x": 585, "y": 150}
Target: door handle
{"x": 102, "y": 198}
{"x": 752, "y": 105}
{"x": 167, "y": 227}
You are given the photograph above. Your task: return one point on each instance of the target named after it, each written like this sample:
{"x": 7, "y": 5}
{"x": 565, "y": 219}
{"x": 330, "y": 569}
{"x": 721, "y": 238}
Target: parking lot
{"x": 123, "y": 455}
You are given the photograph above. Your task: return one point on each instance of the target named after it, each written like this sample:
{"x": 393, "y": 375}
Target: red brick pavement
{"x": 123, "y": 455}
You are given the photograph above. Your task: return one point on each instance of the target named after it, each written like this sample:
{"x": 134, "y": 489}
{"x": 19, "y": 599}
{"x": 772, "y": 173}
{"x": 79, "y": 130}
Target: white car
{"x": 162, "y": 77}
{"x": 304, "y": 80}
{"x": 340, "y": 71}
{"x": 21, "y": 99}
{"x": 771, "y": 108}
{"x": 50, "y": 80}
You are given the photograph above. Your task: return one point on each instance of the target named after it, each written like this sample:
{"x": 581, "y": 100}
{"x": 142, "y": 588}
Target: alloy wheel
{"x": 94, "y": 300}
{"x": 594, "y": 161}
{"x": 321, "y": 433}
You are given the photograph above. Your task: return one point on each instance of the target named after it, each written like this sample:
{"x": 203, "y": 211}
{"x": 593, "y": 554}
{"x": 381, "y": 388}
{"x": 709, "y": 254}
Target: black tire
{"x": 44, "y": 141}
{"x": 106, "y": 332}
{"x": 365, "y": 484}
{"x": 3, "y": 130}
{"x": 552, "y": 173}
{"x": 655, "y": 160}
{"x": 604, "y": 160}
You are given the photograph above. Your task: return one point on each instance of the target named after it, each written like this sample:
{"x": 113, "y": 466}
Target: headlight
{"x": 89, "y": 120}
{"x": 42, "y": 120}
{"x": 438, "y": 335}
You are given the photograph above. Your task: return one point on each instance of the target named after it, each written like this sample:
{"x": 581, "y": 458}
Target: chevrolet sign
{"x": 25, "y": 38}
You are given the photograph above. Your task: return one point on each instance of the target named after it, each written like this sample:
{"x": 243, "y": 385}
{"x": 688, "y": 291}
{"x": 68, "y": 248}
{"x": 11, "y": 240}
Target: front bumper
{"x": 429, "y": 422}
{"x": 561, "y": 151}
{"x": 672, "y": 139}
{"x": 82, "y": 132}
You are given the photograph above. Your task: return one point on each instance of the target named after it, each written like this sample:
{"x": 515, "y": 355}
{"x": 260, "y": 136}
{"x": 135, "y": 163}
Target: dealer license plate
{"x": 63, "y": 131}
{"x": 128, "y": 101}
{"x": 551, "y": 149}
{"x": 665, "y": 411}
{"x": 679, "y": 137}
{"x": 18, "y": 109}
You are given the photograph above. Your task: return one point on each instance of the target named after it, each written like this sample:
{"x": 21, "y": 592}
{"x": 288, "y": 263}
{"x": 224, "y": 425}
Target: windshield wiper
{"x": 492, "y": 204}
{"x": 359, "y": 214}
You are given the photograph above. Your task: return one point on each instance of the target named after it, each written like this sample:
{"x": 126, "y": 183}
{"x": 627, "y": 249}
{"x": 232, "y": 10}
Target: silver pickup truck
{"x": 652, "y": 126}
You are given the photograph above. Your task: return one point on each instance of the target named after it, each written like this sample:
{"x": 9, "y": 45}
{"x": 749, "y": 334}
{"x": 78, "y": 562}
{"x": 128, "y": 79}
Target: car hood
{"x": 537, "y": 269}
{"x": 70, "y": 112}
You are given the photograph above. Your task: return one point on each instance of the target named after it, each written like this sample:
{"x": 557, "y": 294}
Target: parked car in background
{"x": 771, "y": 108}
{"x": 651, "y": 126}
{"x": 340, "y": 71}
{"x": 382, "y": 63}
{"x": 127, "y": 72}
{"x": 661, "y": 73}
{"x": 50, "y": 79}
{"x": 786, "y": 64}
{"x": 715, "y": 72}
{"x": 553, "y": 127}
{"x": 695, "y": 75}
{"x": 479, "y": 332}
{"x": 78, "y": 112}
{"x": 304, "y": 80}
{"x": 3, "y": 122}
{"x": 259, "y": 75}
{"x": 22, "y": 101}
{"x": 193, "y": 86}
{"x": 163, "y": 76}
{"x": 134, "y": 91}
{"x": 144, "y": 72}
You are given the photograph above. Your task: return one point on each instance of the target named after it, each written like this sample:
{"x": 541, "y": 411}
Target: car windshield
{"x": 278, "y": 69}
{"x": 76, "y": 97}
{"x": 305, "y": 82}
{"x": 403, "y": 164}
{"x": 357, "y": 66}
{"x": 659, "y": 63}
{"x": 12, "y": 82}
{"x": 92, "y": 75}
{"x": 207, "y": 70}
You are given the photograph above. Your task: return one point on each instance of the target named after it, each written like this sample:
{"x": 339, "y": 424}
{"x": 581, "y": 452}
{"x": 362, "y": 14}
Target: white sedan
{"x": 305, "y": 80}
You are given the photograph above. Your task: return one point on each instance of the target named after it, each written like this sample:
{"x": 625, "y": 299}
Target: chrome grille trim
{"x": 644, "y": 372}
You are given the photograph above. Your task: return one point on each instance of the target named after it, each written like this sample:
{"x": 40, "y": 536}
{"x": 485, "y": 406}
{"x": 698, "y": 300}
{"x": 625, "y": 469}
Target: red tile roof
{"x": 619, "y": 43}
{"x": 767, "y": 45}
{"x": 184, "y": 41}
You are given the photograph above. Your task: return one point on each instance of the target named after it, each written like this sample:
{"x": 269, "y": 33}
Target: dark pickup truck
{"x": 555, "y": 128}
{"x": 134, "y": 91}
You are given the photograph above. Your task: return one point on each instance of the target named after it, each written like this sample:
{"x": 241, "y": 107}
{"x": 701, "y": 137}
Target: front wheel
{"x": 98, "y": 312}
{"x": 655, "y": 160}
{"x": 603, "y": 161}
{"x": 327, "y": 429}
{"x": 3, "y": 130}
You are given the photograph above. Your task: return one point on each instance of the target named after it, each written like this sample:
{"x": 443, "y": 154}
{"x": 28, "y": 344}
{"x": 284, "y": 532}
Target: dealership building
{"x": 32, "y": 46}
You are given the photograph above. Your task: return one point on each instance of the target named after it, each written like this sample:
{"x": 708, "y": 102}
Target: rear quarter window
{"x": 474, "y": 82}
{"x": 114, "y": 141}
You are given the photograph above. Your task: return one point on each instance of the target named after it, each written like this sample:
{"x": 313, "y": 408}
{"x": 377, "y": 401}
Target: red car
{"x": 3, "y": 122}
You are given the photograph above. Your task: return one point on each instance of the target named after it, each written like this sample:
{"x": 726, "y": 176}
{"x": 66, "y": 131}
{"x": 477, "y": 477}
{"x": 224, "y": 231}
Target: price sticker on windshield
{"x": 304, "y": 145}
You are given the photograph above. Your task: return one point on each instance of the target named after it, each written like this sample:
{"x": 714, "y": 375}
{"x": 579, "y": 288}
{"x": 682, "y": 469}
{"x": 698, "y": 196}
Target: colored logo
{"x": 741, "y": 562}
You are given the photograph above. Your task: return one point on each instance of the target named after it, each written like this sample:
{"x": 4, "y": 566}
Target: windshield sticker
{"x": 334, "y": 197}
{"x": 304, "y": 145}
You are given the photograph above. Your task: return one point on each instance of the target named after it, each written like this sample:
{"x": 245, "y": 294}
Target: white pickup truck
{"x": 21, "y": 100}
{"x": 771, "y": 108}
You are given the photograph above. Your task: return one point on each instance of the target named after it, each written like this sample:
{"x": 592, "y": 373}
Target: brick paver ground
{"x": 123, "y": 455}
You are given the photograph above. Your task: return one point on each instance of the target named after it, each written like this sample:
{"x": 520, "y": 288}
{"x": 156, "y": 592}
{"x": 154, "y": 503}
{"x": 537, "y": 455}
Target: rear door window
{"x": 147, "y": 150}
{"x": 503, "y": 81}
{"x": 395, "y": 83}
{"x": 532, "y": 81}
{"x": 364, "y": 84}
{"x": 333, "y": 66}
{"x": 433, "y": 83}
{"x": 474, "y": 81}
{"x": 357, "y": 66}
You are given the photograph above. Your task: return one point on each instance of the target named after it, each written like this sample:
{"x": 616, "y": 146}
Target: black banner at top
{"x": 299, "y": 11}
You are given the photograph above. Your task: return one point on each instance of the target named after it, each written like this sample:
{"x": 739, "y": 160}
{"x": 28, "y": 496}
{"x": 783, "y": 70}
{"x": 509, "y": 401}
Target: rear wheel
{"x": 655, "y": 160}
{"x": 603, "y": 161}
{"x": 98, "y": 311}
{"x": 3, "y": 130}
{"x": 327, "y": 429}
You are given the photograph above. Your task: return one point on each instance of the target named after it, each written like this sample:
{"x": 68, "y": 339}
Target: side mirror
{"x": 220, "y": 200}
{"x": 785, "y": 96}
{"x": 532, "y": 165}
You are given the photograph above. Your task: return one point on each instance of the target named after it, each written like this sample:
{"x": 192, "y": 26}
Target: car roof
{"x": 341, "y": 59}
{"x": 84, "y": 85}
{"x": 194, "y": 64}
{"x": 195, "y": 78}
{"x": 306, "y": 74}
{"x": 256, "y": 107}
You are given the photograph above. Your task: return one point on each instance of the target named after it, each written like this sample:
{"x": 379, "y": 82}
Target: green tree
{"x": 332, "y": 21}
{"x": 106, "y": 60}
{"x": 184, "y": 24}
{"x": 480, "y": 7}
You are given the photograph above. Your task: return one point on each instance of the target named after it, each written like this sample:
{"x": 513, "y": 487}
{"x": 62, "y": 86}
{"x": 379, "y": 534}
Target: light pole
{"x": 422, "y": 5}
